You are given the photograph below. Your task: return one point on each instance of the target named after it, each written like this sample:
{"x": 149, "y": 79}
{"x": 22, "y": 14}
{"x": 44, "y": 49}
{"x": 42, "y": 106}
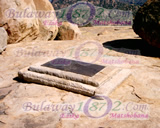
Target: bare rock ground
{"x": 143, "y": 86}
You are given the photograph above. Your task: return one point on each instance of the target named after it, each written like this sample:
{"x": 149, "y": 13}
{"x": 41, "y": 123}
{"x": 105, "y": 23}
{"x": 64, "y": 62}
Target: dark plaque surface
{"x": 74, "y": 66}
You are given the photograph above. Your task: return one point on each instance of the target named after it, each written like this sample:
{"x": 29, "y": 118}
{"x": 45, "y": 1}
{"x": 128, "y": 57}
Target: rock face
{"x": 68, "y": 31}
{"x": 24, "y": 20}
{"x": 3, "y": 39}
{"x": 147, "y": 22}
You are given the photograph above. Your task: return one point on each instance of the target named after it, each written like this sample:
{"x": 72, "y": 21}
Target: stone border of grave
{"x": 102, "y": 83}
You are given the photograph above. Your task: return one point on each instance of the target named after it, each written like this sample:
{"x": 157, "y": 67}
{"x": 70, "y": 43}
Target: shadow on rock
{"x": 133, "y": 47}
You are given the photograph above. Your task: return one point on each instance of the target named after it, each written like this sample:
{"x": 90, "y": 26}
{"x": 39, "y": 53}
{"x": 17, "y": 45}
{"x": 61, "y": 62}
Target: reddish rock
{"x": 147, "y": 22}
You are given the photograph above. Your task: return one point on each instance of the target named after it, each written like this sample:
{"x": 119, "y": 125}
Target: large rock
{"x": 147, "y": 22}
{"x": 3, "y": 39}
{"x": 68, "y": 31}
{"x": 24, "y": 20}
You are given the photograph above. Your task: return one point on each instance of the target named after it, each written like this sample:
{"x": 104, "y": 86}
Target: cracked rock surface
{"x": 142, "y": 87}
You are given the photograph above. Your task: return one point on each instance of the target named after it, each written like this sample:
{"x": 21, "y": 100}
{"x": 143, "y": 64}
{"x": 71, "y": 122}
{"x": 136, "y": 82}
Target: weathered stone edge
{"x": 65, "y": 75}
{"x": 110, "y": 84}
{"x": 57, "y": 82}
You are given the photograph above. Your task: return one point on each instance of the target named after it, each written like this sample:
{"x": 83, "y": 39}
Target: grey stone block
{"x": 3, "y": 39}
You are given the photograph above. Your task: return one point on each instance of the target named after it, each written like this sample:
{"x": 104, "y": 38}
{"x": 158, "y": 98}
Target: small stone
{"x": 105, "y": 32}
{"x": 68, "y": 31}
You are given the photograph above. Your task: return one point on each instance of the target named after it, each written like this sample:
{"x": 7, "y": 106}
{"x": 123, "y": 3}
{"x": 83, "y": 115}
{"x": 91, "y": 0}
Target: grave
{"x": 76, "y": 76}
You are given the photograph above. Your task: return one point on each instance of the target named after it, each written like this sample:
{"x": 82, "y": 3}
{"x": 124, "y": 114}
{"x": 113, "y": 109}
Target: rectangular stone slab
{"x": 103, "y": 81}
{"x": 78, "y": 67}
{"x": 95, "y": 80}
